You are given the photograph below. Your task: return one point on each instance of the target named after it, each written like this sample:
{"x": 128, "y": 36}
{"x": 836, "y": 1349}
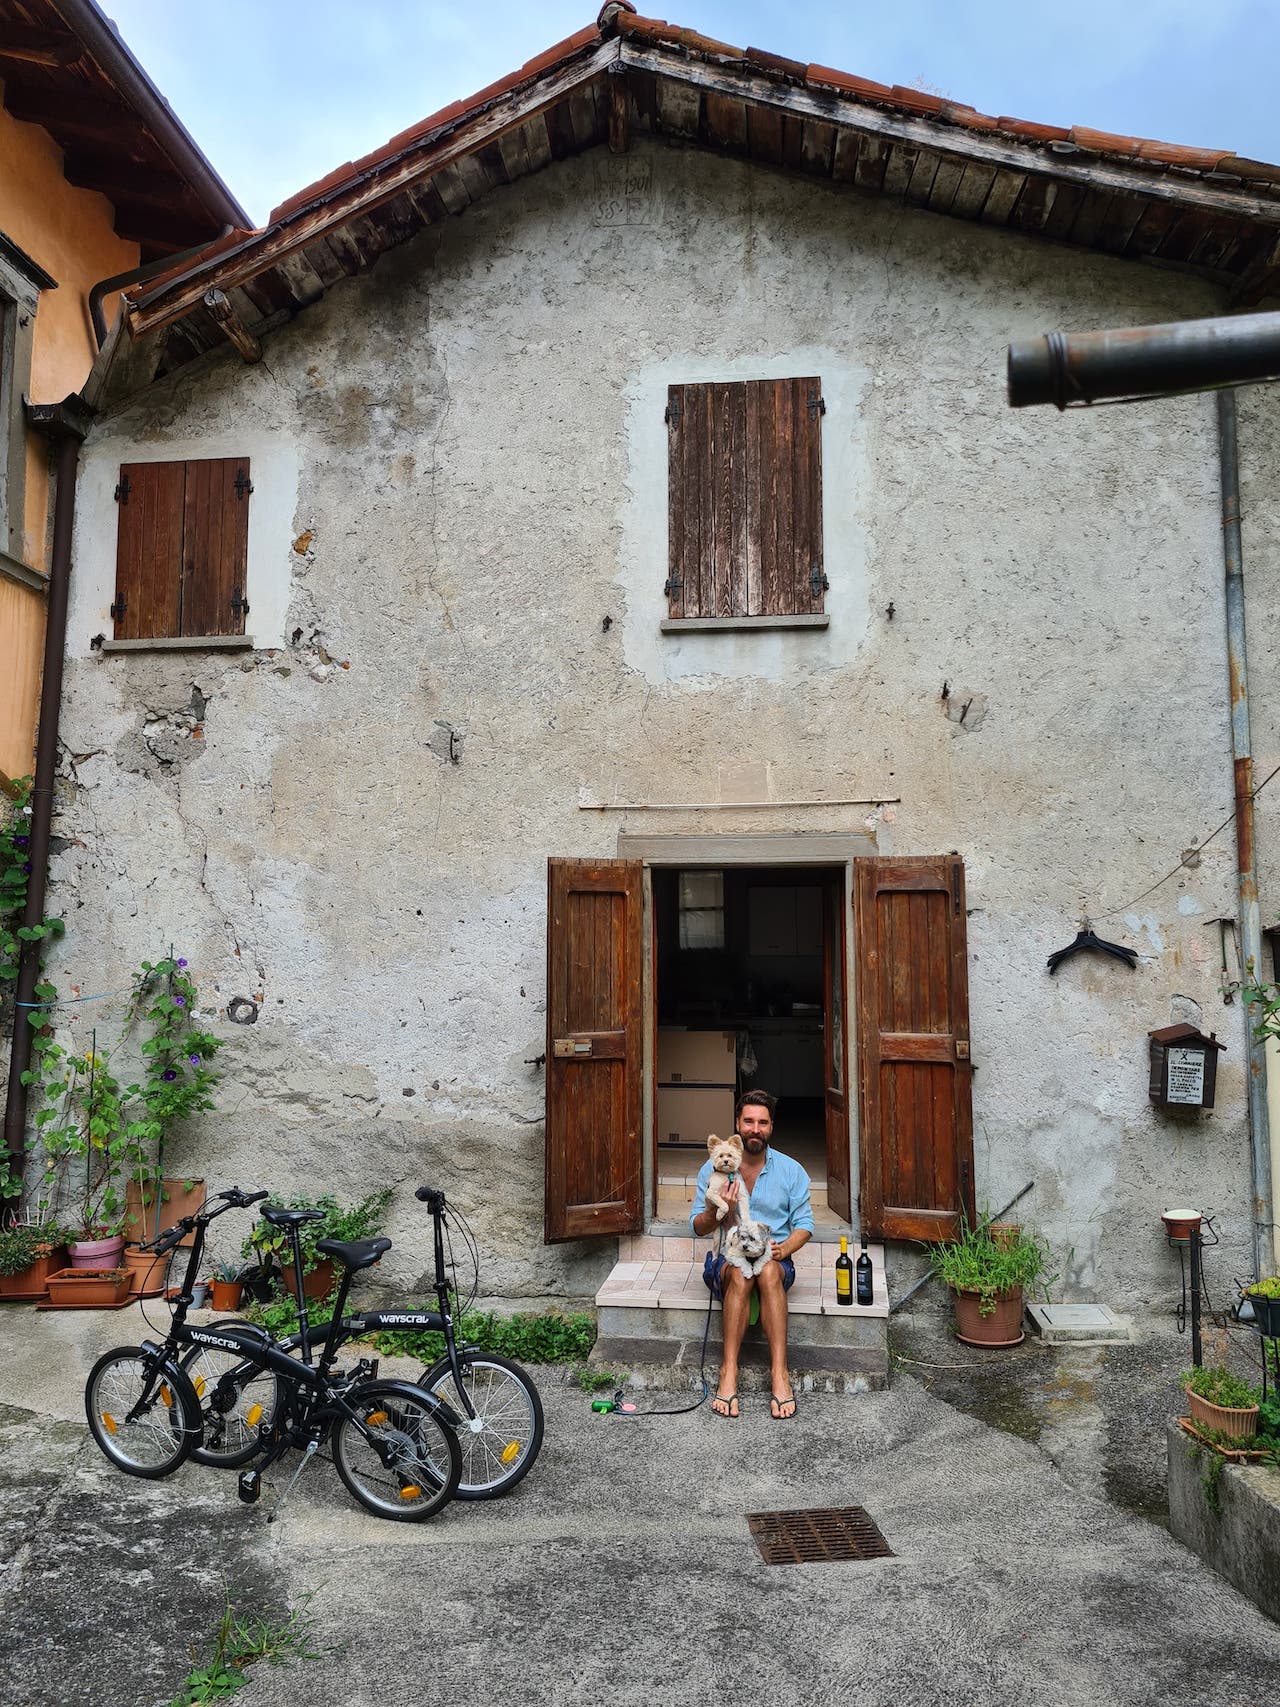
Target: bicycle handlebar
{"x": 425, "y": 1194}
{"x": 232, "y": 1198}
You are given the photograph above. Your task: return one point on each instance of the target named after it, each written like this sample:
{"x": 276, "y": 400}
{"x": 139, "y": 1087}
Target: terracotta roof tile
{"x": 1033, "y": 132}
{"x": 775, "y": 62}
{"x": 845, "y": 80}
{"x": 1103, "y": 141}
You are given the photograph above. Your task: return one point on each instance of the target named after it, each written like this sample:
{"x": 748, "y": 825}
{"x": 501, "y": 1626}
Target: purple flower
{"x": 180, "y": 1001}
{"x": 182, "y": 963}
{"x": 21, "y": 841}
{"x": 26, "y": 865}
{"x": 194, "y": 1060}
{"x": 168, "y": 1075}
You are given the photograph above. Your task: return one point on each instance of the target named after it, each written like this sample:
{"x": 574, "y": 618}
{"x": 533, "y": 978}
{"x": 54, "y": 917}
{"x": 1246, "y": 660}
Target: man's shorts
{"x": 713, "y": 1268}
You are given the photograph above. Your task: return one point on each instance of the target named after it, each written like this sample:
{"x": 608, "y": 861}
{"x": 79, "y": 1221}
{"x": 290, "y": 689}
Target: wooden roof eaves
{"x": 737, "y": 81}
{"x": 169, "y": 301}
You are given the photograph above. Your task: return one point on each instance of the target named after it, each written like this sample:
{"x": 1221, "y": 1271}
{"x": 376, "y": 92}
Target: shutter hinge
{"x": 243, "y": 483}
{"x": 673, "y": 586}
{"x": 122, "y": 490}
{"x": 955, "y": 885}
{"x": 817, "y": 405}
{"x": 818, "y": 582}
{"x": 118, "y": 609}
{"x": 671, "y": 414}
{"x": 239, "y": 606}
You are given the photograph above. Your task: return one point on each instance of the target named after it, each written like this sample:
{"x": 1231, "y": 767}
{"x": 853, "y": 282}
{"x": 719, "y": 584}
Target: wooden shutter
{"x": 916, "y": 1136}
{"x": 149, "y": 498}
{"x": 593, "y": 1166}
{"x": 744, "y": 498}
{"x": 215, "y": 546}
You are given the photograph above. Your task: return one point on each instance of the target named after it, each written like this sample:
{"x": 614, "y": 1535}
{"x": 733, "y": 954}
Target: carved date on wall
{"x": 624, "y": 191}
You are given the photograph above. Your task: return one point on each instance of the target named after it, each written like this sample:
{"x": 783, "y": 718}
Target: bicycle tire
{"x": 428, "y": 1462}
{"x": 161, "y": 1438}
{"x": 501, "y": 1442}
{"x": 234, "y": 1416}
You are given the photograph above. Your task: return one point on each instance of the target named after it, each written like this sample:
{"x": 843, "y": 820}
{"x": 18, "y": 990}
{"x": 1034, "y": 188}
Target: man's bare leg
{"x": 773, "y": 1318}
{"x": 734, "y": 1310}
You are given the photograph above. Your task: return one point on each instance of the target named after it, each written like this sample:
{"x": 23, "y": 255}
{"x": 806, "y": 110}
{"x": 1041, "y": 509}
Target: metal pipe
{"x": 139, "y": 275}
{"x": 1247, "y": 876}
{"x": 1144, "y": 361}
{"x": 68, "y": 425}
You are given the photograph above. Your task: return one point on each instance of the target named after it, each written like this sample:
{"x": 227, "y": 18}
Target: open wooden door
{"x": 594, "y": 1045}
{"x": 835, "y": 1049}
{"x": 916, "y": 1115}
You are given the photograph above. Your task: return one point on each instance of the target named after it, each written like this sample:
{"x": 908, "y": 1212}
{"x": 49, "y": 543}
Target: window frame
{"x": 21, "y": 282}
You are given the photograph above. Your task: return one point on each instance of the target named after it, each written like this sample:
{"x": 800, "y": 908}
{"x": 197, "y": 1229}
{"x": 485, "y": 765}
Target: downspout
{"x": 66, "y": 424}
{"x": 139, "y": 275}
{"x": 1247, "y": 879}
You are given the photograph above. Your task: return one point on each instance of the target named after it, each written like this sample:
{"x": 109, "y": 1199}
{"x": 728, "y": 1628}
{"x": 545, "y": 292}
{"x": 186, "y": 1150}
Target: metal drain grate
{"x": 816, "y": 1537}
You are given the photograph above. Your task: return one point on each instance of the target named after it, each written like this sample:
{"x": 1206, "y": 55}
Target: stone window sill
{"x": 182, "y": 643}
{"x": 738, "y": 624}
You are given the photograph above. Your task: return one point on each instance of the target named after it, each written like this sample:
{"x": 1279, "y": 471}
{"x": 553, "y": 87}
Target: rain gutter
{"x": 1247, "y": 875}
{"x": 66, "y": 424}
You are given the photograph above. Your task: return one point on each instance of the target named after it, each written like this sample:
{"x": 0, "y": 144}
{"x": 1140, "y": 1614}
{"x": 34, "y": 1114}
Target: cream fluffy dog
{"x": 747, "y": 1244}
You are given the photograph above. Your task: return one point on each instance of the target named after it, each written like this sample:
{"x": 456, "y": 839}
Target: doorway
{"x": 749, "y": 990}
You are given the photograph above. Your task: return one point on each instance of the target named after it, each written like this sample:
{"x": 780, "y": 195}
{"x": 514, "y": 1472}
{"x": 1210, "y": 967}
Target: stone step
{"x": 653, "y": 1315}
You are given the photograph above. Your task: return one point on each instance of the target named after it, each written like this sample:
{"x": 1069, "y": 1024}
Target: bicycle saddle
{"x": 353, "y": 1253}
{"x": 290, "y": 1217}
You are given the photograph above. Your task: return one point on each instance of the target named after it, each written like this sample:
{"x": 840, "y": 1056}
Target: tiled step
{"x": 652, "y": 1312}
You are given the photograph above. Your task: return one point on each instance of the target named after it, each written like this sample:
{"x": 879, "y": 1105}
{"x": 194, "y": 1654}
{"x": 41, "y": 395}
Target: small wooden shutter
{"x": 149, "y": 550}
{"x": 182, "y": 548}
{"x": 593, "y": 1166}
{"x": 744, "y": 498}
{"x": 215, "y": 546}
{"x": 916, "y": 1136}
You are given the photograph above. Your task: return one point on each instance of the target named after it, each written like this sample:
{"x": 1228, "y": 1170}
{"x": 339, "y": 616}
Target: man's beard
{"x": 755, "y": 1144}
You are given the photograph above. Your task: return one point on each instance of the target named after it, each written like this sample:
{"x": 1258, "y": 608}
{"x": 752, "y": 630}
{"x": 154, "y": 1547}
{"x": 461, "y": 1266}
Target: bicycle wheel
{"x": 500, "y": 1442}
{"x": 237, "y": 1402}
{"x": 400, "y": 1460}
{"x": 143, "y": 1414}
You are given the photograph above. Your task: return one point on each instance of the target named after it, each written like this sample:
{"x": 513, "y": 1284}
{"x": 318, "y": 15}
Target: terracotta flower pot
{"x": 33, "y": 1283}
{"x": 225, "y": 1295}
{"x": 140, "y": 1220}
{"x": 1004, "y": 1233}
{"x": 146, "y": 1272}
{"x": 1001, "y": 1327}
{"x": 1236, "y": 1424}
{"x": 96, "y": 1253}
{"x": 318, "y": 1283}
{"x": 88, "y": 1288}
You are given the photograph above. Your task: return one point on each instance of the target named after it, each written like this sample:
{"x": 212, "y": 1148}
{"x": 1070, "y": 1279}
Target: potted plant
{"x": 1221, "y": 1403}
{"x": 88, "y": 1289}
{"x": 29, "y": 1253}
{"x": 225, "y": 1287}
{"x": 988, "y": 1278}
{"x": 1264, "y": 1295}
{"x": 272, "y": 1248}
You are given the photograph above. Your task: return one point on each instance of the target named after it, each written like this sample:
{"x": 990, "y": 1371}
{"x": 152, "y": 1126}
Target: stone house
{"x": 621, "y": 644}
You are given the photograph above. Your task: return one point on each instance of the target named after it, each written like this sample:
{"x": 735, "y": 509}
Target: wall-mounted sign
{"x": 1184, "y": 1067}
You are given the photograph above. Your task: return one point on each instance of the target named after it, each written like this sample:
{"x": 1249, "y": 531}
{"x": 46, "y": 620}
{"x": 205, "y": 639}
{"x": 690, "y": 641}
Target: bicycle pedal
{"x": 249, "y": 1486}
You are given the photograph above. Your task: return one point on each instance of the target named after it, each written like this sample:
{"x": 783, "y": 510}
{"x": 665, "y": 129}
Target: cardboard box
{"x": 687, "y": 1113}
{"x": 697, "y": 1057}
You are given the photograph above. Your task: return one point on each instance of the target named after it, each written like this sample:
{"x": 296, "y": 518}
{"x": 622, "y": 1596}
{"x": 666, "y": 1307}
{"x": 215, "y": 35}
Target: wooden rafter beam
{"x": 85, "y": 115}
{"x": 230, "y": 322}
{"x": 23, "y": 44}
{"x": 619, "y": 111}
{"x": 114, "y": 175}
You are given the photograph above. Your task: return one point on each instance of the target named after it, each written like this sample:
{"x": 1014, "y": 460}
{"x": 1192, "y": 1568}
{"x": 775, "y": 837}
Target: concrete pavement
{"x": 620, "y": 1570}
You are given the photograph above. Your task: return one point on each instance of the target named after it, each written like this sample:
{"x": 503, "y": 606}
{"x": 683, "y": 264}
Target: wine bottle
{"x": 844, "y": 1274}
{"x": 865, "y": 1286}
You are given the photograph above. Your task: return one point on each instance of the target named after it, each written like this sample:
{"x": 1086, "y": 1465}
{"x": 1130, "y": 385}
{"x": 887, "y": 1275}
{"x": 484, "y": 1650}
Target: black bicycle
{"x": 490, "y": 1402}
{"x": 148, "y": 1406}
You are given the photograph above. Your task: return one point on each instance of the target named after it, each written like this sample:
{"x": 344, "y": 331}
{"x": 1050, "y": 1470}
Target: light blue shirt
{"x": 779, "y": 1198}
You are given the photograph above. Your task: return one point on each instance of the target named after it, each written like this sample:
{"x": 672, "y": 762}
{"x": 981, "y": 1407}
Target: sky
{"x": 279, "y": 92}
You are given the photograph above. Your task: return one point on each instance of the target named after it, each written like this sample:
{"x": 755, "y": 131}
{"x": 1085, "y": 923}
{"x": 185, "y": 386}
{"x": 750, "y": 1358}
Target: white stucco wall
{"x": 470, "y": 439}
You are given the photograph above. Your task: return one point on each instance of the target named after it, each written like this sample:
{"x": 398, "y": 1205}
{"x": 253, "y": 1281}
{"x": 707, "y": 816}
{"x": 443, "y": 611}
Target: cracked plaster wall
{"x": 351, "y": 827}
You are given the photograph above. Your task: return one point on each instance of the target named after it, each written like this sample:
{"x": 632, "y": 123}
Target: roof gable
{"x": 1203, "y": 210}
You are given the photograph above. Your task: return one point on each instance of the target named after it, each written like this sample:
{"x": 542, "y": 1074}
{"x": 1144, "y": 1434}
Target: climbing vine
{"x": 15, "y": 875}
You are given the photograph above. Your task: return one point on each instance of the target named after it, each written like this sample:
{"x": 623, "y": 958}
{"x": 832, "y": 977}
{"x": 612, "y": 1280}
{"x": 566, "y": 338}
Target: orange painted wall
{"x": 69, "y": 232}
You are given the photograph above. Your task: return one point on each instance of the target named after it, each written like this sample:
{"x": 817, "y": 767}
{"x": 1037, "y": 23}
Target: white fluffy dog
{"x": 748, "y": 1246}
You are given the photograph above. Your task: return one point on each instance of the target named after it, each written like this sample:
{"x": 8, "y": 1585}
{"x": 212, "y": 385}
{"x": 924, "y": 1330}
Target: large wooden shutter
{"x": 215, "y": 546}
{"x": 593, "y": 1169}
{"x": 182, "y": 548}
{"x": 149, "y": 550}
{"x": 744, "y": 498}
{"x": 916, "y": 1136}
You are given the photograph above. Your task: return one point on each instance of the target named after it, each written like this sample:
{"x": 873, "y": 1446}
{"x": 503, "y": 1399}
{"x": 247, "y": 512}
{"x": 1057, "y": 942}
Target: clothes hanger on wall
{"x": 1086, "y": 941}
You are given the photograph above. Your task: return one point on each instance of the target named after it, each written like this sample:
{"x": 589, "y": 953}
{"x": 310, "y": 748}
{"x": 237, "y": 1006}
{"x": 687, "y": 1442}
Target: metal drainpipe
{"x": 68, "y": 427}
{"x": 1250, "y": 917}
{"x": 140, "y": 275}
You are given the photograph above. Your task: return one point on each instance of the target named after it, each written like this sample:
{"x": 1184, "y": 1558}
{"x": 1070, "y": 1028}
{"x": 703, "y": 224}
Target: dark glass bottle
{"x": 844, "y": 1274}
{"x": 865, "y": 1279}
